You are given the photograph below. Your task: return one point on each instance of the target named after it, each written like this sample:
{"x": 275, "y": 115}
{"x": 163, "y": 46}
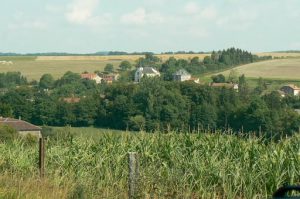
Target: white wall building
{"x": 182, "y": 75}
{"x": 145, "y": 71}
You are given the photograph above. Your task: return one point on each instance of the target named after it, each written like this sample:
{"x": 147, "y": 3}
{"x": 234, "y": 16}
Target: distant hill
{"x": 288, "y": 51}
{"x": 100, "y": 53}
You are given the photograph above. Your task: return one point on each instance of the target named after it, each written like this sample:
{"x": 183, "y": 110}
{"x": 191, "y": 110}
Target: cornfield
{"x": 173, "y": 165}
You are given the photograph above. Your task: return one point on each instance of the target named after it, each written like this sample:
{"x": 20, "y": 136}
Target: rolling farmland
{"x": 35, "y": 67}
{"x": 285, "y": 69}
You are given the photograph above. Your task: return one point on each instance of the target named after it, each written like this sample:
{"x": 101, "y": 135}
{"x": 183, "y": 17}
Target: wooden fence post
{"x": 42, "y": 157}
{"x": 133, "y": 175}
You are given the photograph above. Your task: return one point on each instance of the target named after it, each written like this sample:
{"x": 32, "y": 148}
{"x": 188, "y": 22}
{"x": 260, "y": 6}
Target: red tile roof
{"x": 88, "y": 75}
{"x": 19, "y": 125}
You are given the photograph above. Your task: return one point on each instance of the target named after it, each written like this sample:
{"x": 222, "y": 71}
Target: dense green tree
{"x": 68, "y": 78}
{"x": 12, "y": 79}
{"x": 125, "y": 65}
{"x": 220, "y": 78}
{"x": 243, "y": 88}
{"x": 109, "y": 68}
{"x": 6, "y": 110}
{"x": 137, "y": 123}
{"x": 233, "y": 76}
{"x": 46, "y": 81}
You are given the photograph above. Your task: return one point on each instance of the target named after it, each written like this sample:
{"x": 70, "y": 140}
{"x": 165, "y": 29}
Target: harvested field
{"x": 273, "y": 69}
{"x": 116, "y": 57}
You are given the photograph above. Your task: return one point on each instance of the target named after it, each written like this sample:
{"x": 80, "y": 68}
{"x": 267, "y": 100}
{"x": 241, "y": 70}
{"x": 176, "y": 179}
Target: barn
{"x": 23, "y": 127}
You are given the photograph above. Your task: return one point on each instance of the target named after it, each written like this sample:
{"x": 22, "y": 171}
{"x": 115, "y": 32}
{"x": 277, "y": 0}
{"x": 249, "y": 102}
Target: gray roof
{"x": 181, "y": 72}
{"x": 19, "y": 125}
{"x": 148, "y": 70}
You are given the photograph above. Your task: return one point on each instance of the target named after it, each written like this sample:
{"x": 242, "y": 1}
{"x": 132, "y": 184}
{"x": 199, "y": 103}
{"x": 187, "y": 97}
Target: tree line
{"x": 151, "y": 105}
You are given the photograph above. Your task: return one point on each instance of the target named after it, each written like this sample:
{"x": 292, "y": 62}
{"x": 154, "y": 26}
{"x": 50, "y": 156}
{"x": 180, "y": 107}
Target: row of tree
{"x": 151, "y": 105}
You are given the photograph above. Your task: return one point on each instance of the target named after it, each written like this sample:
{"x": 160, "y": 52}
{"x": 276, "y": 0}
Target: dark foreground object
{"x": 282, "y": 192}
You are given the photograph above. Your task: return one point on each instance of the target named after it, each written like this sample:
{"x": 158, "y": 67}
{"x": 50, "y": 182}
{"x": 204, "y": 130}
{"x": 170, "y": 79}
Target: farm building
{"x": 109, "y": 78}
{"x": 182, "y": 75}
{"x": 290, "y": 89}
{"x": 145, "y": 71}
{"x": 91, "y": 76}
{"x": 225, "y": 85}
{"x": 24, "y": 128}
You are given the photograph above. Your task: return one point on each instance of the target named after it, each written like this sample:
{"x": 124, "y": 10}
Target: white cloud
{"x": 140, "y": 17}
{"x": 54, "y": 8}
{"x": 240, "y": 20}
{"x": 136, "y": 17}
{"x": 209, "y": 12}
{"x": 35, "y": 24}
{"x": 198, "y": 32}
{"x": 191, "y": 8}
{"x": 82, "y": 12}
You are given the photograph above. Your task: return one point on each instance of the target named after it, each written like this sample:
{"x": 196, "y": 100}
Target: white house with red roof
{"x": 91, "y": 76}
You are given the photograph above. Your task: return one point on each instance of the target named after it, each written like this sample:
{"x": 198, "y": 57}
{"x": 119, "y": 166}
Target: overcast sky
{"x": 85, "y": 26}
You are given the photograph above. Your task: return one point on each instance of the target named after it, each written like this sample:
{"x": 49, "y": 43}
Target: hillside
{"x": 34, "y": 67}
{"x": 288, "y": 69}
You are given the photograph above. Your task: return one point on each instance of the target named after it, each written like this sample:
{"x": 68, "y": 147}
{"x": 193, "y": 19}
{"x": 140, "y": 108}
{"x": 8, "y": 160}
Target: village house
{"x": 225, "y": 85}
{"x": 109, "y": 78}
{"x": 145, "y": 71}
{"x": 290, "y": 89}
{"x": 24, "y": 128}
{"x": 182, "y": 75}
{"x": 91, "y": 76}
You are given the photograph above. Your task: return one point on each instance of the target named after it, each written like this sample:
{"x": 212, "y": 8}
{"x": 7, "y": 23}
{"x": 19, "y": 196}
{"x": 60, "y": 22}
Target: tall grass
{"x": 171, "y": 166}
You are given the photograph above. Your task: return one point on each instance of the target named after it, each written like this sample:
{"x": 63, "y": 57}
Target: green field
{"x": 92, "y": 163}
{"x": 33, "y": 68}
{"x": 279, "y": 69}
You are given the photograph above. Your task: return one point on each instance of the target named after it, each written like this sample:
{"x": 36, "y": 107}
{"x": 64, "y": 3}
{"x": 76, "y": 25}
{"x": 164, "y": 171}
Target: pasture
{"x": 278, "y": 69}
{"x": 33, "y": 69}
{"x": 173, "y": 165}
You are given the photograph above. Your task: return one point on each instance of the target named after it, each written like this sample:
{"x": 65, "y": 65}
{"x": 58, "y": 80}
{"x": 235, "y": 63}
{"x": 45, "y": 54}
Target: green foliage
{"x": 7, "y": 133}
{"x": 68, "y": 78}
{"x": 109, "y": 68}
{"x": 150, "y": 60}
{"x": 11, "y": 79}
{"x": 220, "y": 60}
{"x": 46, "y": 81}
{"x": 137, "y": 123}
{"x": 125, "y": 65}
{"x": 171, "y": 165}
{"x": 233, "y": 76}
{"x": 6, "y": 110}
{"x": 218, "y": 78}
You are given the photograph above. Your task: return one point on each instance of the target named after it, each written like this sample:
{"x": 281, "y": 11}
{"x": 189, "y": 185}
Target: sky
{"x": 88, "y": 26}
